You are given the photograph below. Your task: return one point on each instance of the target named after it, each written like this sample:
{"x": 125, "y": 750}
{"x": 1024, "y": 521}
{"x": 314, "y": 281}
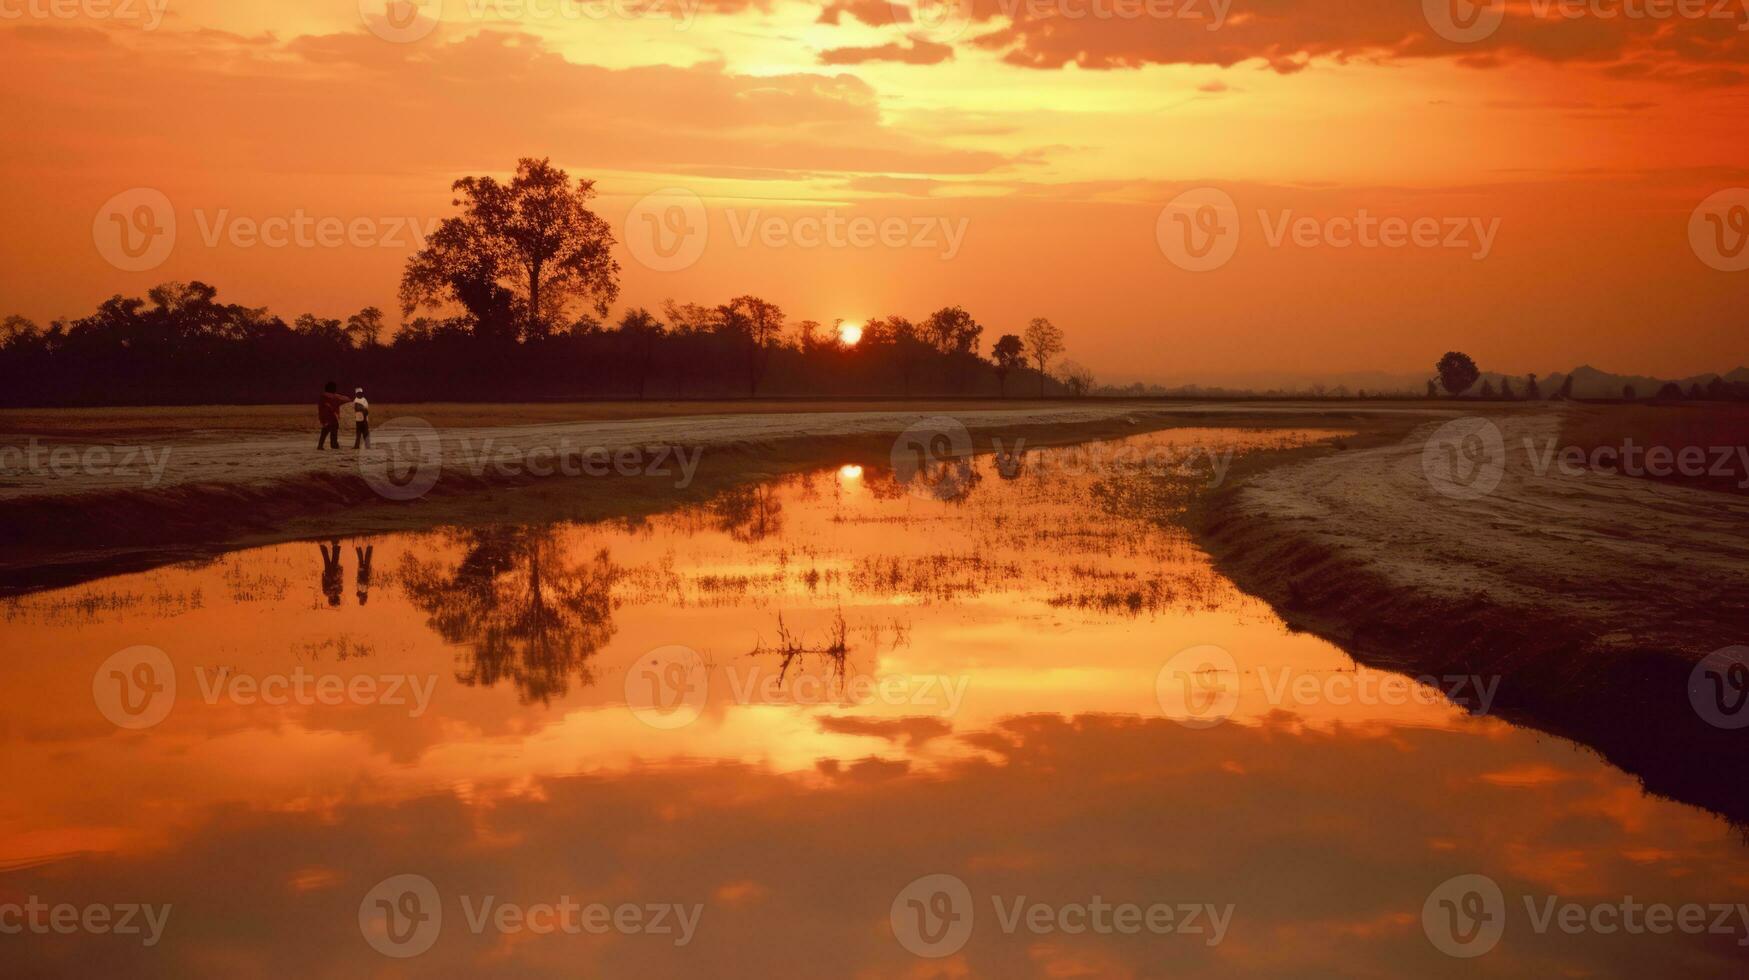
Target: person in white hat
{"x": 360, "y": 419}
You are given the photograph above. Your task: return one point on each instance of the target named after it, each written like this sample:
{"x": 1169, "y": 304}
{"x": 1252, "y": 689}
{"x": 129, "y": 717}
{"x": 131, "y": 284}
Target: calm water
{"x": 732, "y": 739}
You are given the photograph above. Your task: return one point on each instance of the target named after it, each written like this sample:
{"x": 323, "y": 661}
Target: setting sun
{"x": 849, "y": 334}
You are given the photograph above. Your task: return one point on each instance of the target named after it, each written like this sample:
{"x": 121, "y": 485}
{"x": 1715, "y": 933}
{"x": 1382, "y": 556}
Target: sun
{"x": 849, "y": 334}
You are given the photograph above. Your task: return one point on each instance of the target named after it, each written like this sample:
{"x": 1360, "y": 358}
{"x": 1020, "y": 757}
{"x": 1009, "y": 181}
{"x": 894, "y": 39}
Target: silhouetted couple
{"x": 328, "y": 413}
{"x": 334, "y": 577}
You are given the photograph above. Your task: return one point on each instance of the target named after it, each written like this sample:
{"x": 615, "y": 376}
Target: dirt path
{"x": 123, "y": 497}
{"x": 1591, "y": 596}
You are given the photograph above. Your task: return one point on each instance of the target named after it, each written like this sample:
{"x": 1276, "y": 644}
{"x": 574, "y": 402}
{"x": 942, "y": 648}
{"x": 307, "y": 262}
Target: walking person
{"x": 365, "y": 554}
{"x": 360, "y": 419}
{"x": 328, "y": 413}
{"x": 333, "y": 575}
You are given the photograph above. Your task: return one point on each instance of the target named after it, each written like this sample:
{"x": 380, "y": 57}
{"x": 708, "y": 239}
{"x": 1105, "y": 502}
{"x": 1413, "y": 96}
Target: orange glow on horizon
{"x": 1571, "y": 182}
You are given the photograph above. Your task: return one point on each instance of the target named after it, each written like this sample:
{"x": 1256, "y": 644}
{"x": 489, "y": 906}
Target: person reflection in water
{"x": 333, "y": 576}
{"x": 363, "y": 582}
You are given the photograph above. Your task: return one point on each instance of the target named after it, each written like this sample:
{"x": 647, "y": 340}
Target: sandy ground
{"x": 1591, "y": 597}
{"x": 475, "y": 450}
{"x": 1585, "y": 546}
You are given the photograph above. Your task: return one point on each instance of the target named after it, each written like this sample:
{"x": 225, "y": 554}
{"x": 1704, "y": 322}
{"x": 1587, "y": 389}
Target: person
{"x": 333, "y": 576}
{"x": 360, "y": 419}
{"x": 328, "y": 413}
{"x": 364, "y": 554}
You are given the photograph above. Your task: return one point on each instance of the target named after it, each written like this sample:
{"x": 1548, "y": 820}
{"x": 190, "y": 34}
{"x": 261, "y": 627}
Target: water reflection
{"x": 892, "y": 684}
{"x": 524, "y": 611}
{"x": 748, "y": 514}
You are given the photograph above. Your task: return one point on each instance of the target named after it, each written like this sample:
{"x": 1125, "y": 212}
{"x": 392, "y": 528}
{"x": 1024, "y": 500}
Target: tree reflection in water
{"x": 748, "y": 514}
{"x": 524, "y": 611}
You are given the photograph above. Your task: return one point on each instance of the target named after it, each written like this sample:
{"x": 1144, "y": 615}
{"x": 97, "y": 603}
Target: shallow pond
{"x": 998, "y": 718}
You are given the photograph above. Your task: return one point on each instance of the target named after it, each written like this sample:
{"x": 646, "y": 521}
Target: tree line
{"x": 510, "y": 300}
{"x": 1457, "y": 374}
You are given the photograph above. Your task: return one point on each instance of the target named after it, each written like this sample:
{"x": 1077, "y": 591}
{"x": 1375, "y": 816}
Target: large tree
{"x": 1457, "y": 372}
{"x": 953, "y": 332}
{"x": 365, "y": 327}
{"x": 1009, "y": 353}
{"x": 1044, "y": 341}
{"x": 522, "y": 251}
{"x": 756, "y": 324}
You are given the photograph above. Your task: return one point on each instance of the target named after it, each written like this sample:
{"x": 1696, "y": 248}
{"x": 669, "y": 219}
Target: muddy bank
{"x": 1591, "y": 597}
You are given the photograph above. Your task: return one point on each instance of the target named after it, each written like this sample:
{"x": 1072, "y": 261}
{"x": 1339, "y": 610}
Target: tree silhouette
{"x": 180, "y": 345}
{"x": 1009, "y": 354}
{"x": 15, "y": 327}
{"x": 365, "y": 328}
{"x": 906, "y": 342}
{"x": 1531, "y": 391}
{"x": 1078, "y": 378}
{"x": 1506, "y": 389}
{"x": 811, "y": 336}
{"x": 525, "y": 611}
{"x": 1457, "y": 372}
{"x": 953, "y": 332}
{"x": 757, "y": 324}
{"x": 1044, "y": 341}
{"x": 640, "y": 333}
{"x": 748, "y": 514}
{"x": 518, "y": 255}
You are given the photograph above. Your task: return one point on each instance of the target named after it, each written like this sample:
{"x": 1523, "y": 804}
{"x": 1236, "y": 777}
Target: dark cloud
{"x": 1285, "y": 35}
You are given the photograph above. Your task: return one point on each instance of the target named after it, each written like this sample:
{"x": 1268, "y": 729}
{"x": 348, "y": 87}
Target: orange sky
{"x": 1019, "y": 154}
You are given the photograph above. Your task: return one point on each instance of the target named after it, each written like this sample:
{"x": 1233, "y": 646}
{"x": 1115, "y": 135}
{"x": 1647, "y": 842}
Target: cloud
{"x": 339, "y": 102}
{"x": 918, "y": 51}
{"x": 1286, "y": 35}
{"x": 875, "y": 13}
